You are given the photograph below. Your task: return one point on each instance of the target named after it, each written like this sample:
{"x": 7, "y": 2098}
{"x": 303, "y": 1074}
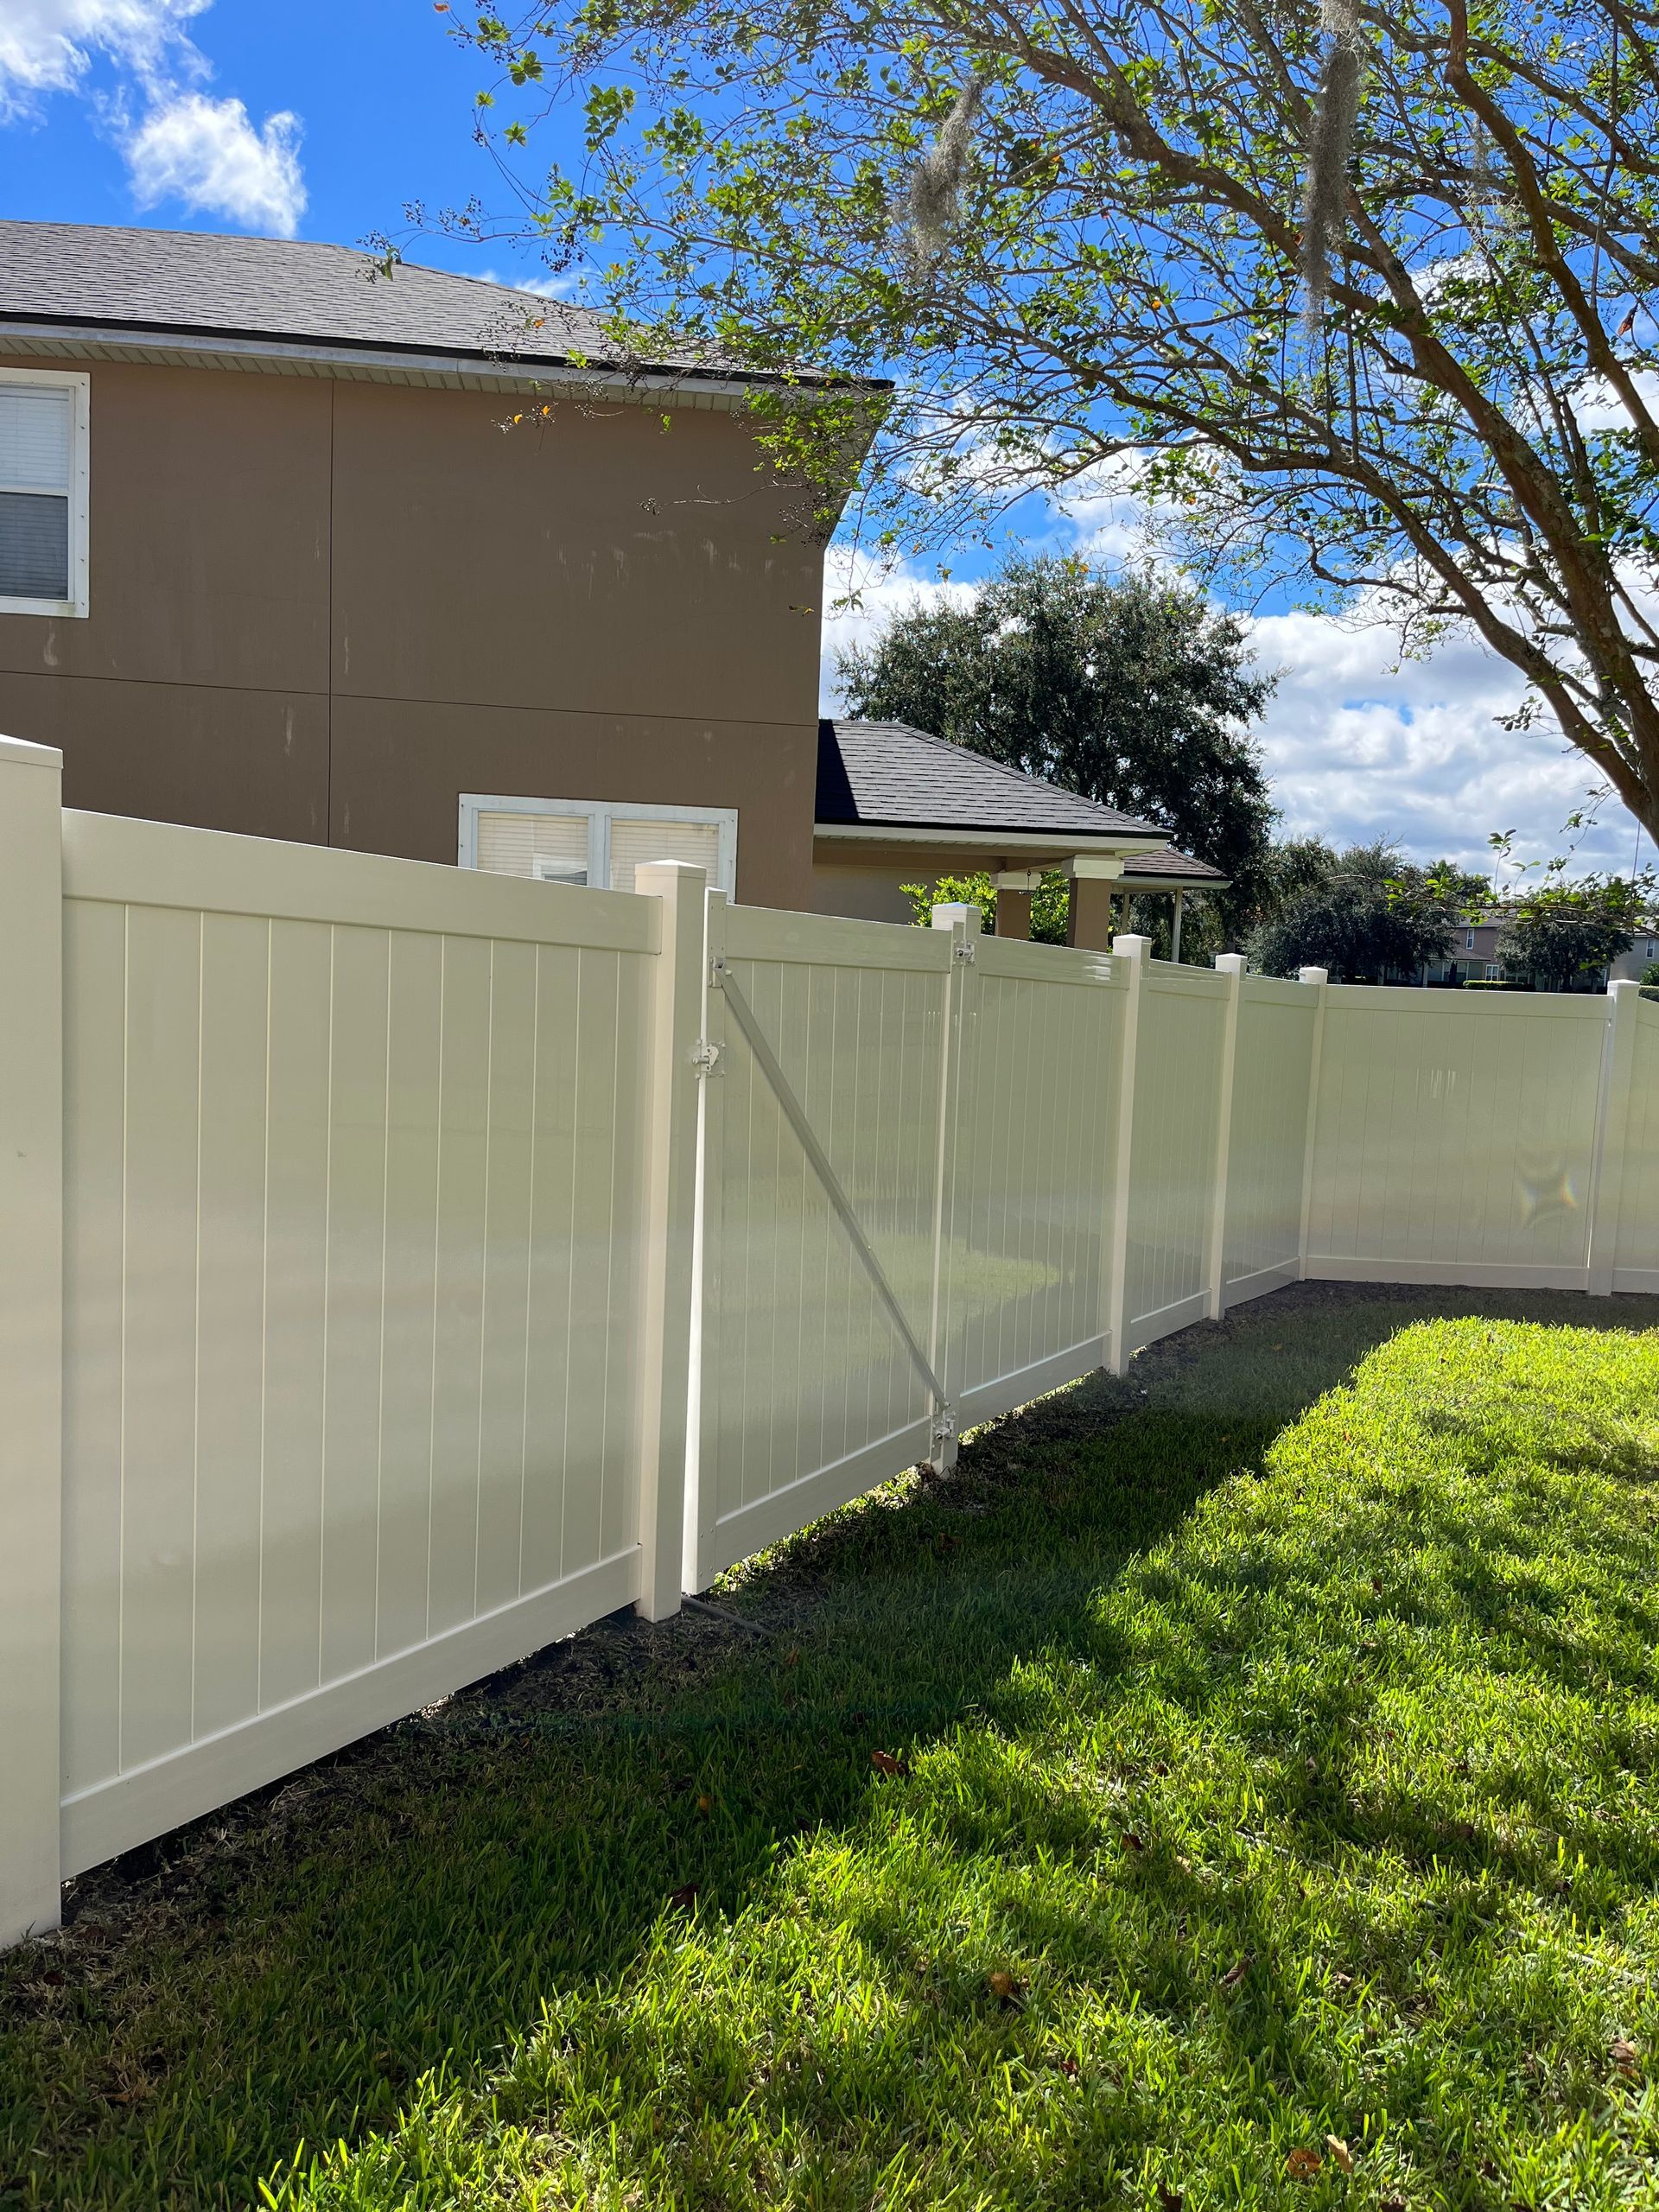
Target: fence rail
{"x": 407, "y": 1266}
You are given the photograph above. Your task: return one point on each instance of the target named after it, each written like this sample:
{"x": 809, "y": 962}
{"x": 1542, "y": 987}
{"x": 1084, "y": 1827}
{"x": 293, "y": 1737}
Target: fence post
{"x": 703, "y": 1418}
{"x": 1134, "y": 951}
{"x": 1613, "y": 1124}
{"x": 1319, "y": 979}
{"x": 965, "y": 921}
{"x": 671, "y": 1220}
{"x": 1232, "y": 966}
{"x": 31, "y": 1331}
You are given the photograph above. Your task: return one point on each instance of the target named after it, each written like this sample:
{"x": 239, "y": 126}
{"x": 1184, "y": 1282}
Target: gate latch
{"x": 705, "y": 1057}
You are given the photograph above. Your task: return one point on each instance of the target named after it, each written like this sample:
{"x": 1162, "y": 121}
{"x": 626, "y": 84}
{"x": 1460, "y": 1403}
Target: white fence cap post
{"x": 1230, "y": 963}
{"x": 1131, "y": 945}
{"x": 1312, "y": 974}
{"x": 949, "y": 911}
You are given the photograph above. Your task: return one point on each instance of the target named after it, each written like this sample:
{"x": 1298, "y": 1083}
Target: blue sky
{"x": 220, "y": 114}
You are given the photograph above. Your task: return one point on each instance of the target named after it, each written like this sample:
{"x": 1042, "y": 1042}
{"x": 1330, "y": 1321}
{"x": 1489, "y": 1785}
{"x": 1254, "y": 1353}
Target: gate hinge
{"x": 717, "y": 971}
{"x": 705, "y": 1057}
{"x": 945, "y": 1424}
{"x": 963, "y": 950}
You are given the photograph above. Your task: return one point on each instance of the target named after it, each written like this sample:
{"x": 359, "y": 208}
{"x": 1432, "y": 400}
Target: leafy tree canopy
{"x": 1078, "y": 238}
{"x": 1558, "y": 930}
{"x": 1133, "y": 693}
{"x": 1368, "y": 915}
{"x": 1049, "y": 905}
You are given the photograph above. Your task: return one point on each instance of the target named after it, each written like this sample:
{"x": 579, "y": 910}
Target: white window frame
{"x": 78, "y": 605}
{"x": 600, "y": 813}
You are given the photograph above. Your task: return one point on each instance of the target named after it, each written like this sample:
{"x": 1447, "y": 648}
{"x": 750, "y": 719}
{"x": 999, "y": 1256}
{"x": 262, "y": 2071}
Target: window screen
{"x": 633, "y": 843}
{"x": 37, "y": 436}
{"x": 551, "y": 848}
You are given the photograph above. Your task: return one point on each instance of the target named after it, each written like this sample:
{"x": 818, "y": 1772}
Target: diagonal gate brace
{"x": 795, "y": 1114}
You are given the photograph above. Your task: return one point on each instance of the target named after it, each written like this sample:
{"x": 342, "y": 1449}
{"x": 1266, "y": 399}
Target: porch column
{"x": 1175, "y": 929}
{"x": 1089, "y": 922}
{"x": 1014, "y": 888}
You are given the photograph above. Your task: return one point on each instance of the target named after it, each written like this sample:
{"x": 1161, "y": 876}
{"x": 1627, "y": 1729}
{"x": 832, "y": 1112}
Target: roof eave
{"x": 951, "y": 833}
{"x": 259, "y": 348}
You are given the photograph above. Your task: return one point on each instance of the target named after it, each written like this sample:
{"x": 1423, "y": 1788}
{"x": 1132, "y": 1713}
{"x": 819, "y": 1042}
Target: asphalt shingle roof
{"x": 296, "y": 290}
{"x": 886, "y": 775}
{"x": 889, "y": 773}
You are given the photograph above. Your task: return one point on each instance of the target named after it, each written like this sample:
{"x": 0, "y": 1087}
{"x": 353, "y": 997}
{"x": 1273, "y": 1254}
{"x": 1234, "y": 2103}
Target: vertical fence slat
{"x": 1613, "y": 1124}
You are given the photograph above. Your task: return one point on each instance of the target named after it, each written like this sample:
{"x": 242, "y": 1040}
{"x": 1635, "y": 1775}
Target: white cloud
{"x": 547, "y": 286}
{"x": 204, "y": 154}
{"x": 48, "y": 46}
{"x": 207, "y": 155}
{"x": 1356, "y": 745}
{"x": 877, "y": 593}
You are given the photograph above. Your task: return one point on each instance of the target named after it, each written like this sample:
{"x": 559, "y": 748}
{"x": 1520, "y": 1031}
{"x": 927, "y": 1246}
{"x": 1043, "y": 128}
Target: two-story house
{"x": 400, "y": 564}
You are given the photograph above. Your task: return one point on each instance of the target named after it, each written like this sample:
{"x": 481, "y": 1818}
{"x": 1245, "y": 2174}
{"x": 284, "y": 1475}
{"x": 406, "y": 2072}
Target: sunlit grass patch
{"x": 1266, "y": 1815}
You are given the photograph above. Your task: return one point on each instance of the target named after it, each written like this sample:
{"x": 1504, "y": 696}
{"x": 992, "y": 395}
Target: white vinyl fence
{"x": 405, "y": 1266}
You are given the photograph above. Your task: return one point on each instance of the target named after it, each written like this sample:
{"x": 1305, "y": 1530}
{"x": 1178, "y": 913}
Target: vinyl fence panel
{"x": 1273, "y": 1060}
{"x": 1455, "y": 1137}
{"x": 1031, "y": 1172}
{"x": 809, "y": 1394}
{"x": 1173, "y": 1157}
{"x": 354, "y": 1301}
{"x": 406, "y": 1265}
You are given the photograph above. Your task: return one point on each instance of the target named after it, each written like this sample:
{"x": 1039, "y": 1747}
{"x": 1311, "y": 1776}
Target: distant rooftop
{"x": 890, "y": 775}
{"x": 886, "y": 775}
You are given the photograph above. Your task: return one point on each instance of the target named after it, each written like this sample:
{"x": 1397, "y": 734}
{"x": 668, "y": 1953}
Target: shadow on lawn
{"x": 284, "y": 1971}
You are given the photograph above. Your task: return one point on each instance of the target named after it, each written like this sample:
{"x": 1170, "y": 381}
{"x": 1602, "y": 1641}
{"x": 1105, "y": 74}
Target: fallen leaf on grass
{"x": 1068, "y": 2066}
{"x": 1131, "y": 1841}
{"x": 1003, "y": 1986}
{"x": 792, "y": 1657}
{"x": 705, "y": 1803}
{"x": 884, "y": 1763}
{"x": 1341, "y": 2152}
{"x": 1392, "y": 2205}
{"x": 1235, "y": 1974}
{"x": 1303, "y": 2165}
{"x": 1626, "y": 2057}
{"x": 685, "y": 1897}
{"x": 1171, "y": 2199}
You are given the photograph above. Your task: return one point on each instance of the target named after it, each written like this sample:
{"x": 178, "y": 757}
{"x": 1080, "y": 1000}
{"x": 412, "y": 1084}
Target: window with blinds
{"x": 594, "y": 842}
{"x": 549, "y": 848}
{"x": 41, "y": 561}
{"x": 633, "y": 843}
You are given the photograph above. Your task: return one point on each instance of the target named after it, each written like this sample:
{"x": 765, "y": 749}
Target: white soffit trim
{"x": 361, "y": 364}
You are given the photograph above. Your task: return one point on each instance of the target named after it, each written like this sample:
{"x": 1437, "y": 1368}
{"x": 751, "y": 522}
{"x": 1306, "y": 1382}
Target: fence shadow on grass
{"x": 287, "y": 1969}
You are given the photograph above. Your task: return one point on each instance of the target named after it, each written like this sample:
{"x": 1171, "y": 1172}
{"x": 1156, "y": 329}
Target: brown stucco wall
{"x": 322, "y": 610}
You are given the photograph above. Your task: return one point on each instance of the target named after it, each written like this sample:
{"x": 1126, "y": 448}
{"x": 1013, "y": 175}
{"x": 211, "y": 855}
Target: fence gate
{"x": 824, "y": 1192}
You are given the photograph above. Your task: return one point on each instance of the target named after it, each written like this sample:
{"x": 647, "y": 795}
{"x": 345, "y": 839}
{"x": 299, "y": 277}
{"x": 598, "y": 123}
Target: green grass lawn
{"x": 1275, "y": 1822}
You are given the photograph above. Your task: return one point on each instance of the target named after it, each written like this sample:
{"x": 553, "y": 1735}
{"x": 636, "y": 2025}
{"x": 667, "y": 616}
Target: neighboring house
{"x": 1474, "y": 957}
{"x": 896, "y": 805}
{"x": 275, "y": 556}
